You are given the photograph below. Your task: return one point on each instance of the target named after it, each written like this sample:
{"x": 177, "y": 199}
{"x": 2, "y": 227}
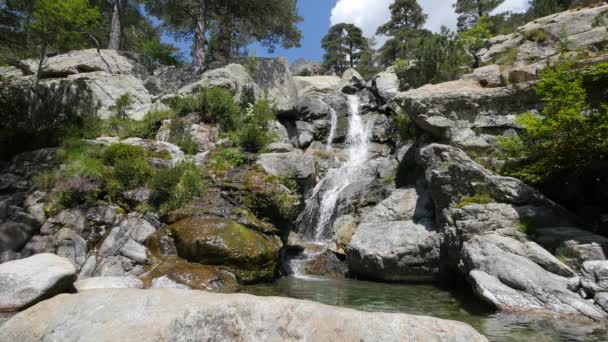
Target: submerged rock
{"x": 27, "y": 281}
{"x": 175, "y": 315}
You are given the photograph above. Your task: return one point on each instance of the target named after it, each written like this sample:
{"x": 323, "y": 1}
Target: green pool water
{"x": 432, "y": 301}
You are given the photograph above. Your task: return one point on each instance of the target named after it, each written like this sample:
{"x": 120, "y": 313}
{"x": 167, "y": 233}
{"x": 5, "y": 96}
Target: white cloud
{"x": 370, "y": 14}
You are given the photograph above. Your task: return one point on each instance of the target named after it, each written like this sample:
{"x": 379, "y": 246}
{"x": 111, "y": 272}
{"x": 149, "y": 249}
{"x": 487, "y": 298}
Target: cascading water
{"x": 317, "y": 217}
{"x": 332, "y": 130}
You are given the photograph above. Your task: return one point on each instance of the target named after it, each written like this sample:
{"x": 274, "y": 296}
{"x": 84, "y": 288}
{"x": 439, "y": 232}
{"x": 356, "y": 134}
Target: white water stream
{"x": 317, "y": 217}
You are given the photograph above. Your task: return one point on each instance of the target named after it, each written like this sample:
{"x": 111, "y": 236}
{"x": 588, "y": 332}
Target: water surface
{"x": 430, "y": 300}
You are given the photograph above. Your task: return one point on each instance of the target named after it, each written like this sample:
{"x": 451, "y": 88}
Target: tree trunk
{"x": 116, "y": 30}
{"x": 225, "y": 37}
{"x": 198, "y": 47}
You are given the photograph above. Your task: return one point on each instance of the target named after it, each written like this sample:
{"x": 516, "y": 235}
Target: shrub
{"x": 123, "y": 103}
{"x": 76, "y": 190}
{"x": 568, "y": 137}
{"x": 226, "y": 158}
{"x": 172, "y": 188}
{"x": 476, "y": 199}
{"x": 252, "y": 65}
{"x": 537, "y": 35}
{"x": 214, "y": 105}
{"x": 253, "y": 133}
{"x": 145, "y": 129}
{"x": 116, "y": 152}
{"x": 132, "y": 173}
{"x": 406, "y": 127}
{"x": 181, "y": 137}
{"x": 81, "y": 159}
{"x": 46, "y": 179}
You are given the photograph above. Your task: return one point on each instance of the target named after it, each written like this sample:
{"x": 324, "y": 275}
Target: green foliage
{"x": 46, "y": 179}
{"x": 172, "y": 188}
{"x": 253, "y": 133}
{"x": 157, "y": 53}
{"x": 145, "y": 129}
{"x": 117, "y": 152}
{"x": 81, "y": 159}
{"x": 343, "y": 45}
{"x": 470, "y": 11}
{"x": 509, "y": 57}
{"x": 181, "y": 137}
{"x": 568, "y": 137}
{"x": 527, "y": 227}
{"x": 132, "y": 173}
{"x": 406, "y": 127}
{"x": 214, "y": 105}
{"x": 476, "y": 199}
{"x": 123, "y": 103}
{"x": 405, "y": 14}
{"x": 289, "y": 181}
{"x": 475, "y": 37}
{"x": 252, "y": 65}
{"x": 226, "y": 158}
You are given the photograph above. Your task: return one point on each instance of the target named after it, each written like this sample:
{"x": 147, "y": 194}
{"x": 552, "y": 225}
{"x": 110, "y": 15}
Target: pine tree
{"x": 469, "y": 11}
{"x": 405, "y": 14}
{"x": 343, "y": 45}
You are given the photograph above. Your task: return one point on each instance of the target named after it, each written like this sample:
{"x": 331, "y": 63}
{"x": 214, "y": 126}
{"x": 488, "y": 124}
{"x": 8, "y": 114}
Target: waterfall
{"x": 317, "y": 217}
{"x": 332, "y": 129}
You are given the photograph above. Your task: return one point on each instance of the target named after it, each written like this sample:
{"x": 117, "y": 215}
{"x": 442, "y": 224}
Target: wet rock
{"x": 27, "y": 281}
{"x": 165, "y": 282}
{"x": 159, "y": 314}
{"x": 394, "y": 251}
{"x": 215, "y": 241}
{"x": 344, "y": 229}
{"x": 108, "y": 283}
{"x": 326, "y": 264}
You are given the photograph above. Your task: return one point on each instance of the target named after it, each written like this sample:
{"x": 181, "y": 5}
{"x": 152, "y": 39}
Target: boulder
{"x": 274, "y": 80}
{"x": 576, "y": 244}
{"x": 108, "y": 283}
{"x": 488, "y": 76}
{"x": 594, "y": 276}
{"x": 233, "y": 77}
{"x": 252, "y": 256}
{"x": 385, "y": 85}
{"x": 304, "y": 67}
{"x": 316, "y": 86}
{"x": 288, "y": 164}
{"x": 399, "y": 206}
{"x": 158, "y": 146}
{"x": 351, "y": 82}
{"x": 27, "y": 281}
{"x": 465, "y": 114}
{"x": 308, "y": 109}
{"x": 326, "y": 264}
{"x": 86, "y": 61}
{"x": 394, "y": 251}
{"x": 176, "y": 315}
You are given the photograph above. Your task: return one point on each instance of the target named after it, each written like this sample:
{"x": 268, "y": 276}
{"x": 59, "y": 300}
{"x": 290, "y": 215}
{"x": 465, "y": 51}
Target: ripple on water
{"x": 430, "y": 300}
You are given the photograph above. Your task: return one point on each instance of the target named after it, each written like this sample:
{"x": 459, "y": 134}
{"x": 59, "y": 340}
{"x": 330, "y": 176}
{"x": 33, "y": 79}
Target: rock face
{"x": 175, "y": 315}
{"x": 316, "y": 86}
{"x": 108, "y": 283}
{"x": 288, "y": 164}
{"x": 27, "y": 281}
{"x": 394, "y": 251}
{"x": 233, "y": 77}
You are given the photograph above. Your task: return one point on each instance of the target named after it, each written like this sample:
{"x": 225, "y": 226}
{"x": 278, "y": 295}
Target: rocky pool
{"x": 431, "y": 301}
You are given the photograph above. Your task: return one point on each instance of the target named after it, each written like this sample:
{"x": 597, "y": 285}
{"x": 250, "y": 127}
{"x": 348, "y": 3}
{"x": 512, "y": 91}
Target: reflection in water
{"x": 429, "y": 300}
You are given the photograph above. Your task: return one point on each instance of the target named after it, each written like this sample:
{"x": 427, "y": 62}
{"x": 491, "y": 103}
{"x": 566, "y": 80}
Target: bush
{"x": 226, "y": 158}
{"x": 145, "y": 129}
{"x": 116, "y": 152}
{"x": 253, "y": 133}
{"x": 172, "y": 188}
{"x": 81, "y": 159}
{"x": 568, "y": 137}
{"x": 476, "y": 199}
{"x": 132, "y": 173}
{"x": 76, "y": 190}
{"x": 181, "y": 137}
{"x": 214, "y": 105}
{"x": 123, "y": 103}
{"x": 406, "y": 127}
{"x": 537, "y": 35}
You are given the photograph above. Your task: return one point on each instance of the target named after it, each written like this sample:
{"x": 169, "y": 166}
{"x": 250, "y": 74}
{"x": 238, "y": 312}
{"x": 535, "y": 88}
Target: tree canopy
{"x": 343, "y": 44}
{"x": 405, "y": 14}
{"x": 470, "y": 11}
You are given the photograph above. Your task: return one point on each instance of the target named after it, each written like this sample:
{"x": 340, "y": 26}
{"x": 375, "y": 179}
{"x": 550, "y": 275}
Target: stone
{"x": 385, "y": 85}
{"x": 399, "y": 206}
{"x": 601, "y": 299}
{"x": 288, "y": 164}
{"x": 116, "y": 266}
{"x": 512, "y": 282}
{"x": 274, "y": 80}
{"x": 351, "y": 82}
{"x": 108, "y": 283}
{"x": 308, "y": 109}
{"x": 576, "y": 244}
{"x": 165, "y": 282}
{"x": 394, "y": 251}
{"x": 133, "y": 229}
{"x": 25, "y": 282}
{"x": 460, "y": 112}
{"x": 176, "y": 154}
{"x": 177, "y": 315}
{"x": 252, "y": 256}
{"x": 594, "y": 276}
{"x": 233, "y": 77}
{"x": 14, "y": 235}
{"x": 316, "y": 86}
{"x": 344, "y": 229}
{"x": 87, "y": 61}
{"x": 488, "y": 76}
{"x": 326, "y": 264}
{"x": 304, "y": 67}
{"x": 279, "y": 148}
{"x": 71, "y": 246}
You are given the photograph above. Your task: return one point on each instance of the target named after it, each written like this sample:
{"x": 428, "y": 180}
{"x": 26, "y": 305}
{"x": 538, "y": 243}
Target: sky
{"x": 319, "y": 15}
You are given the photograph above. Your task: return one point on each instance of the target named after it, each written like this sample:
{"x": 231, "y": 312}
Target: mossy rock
{"x": 208, "y": 240}
{"x": 196, "y": 276}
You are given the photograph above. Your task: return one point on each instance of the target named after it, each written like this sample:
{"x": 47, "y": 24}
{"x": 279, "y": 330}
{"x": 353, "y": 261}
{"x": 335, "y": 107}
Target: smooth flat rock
{"x": 178, "y": 315}
{"x": 108, "y": 283}
{"x": 27, "y": 281}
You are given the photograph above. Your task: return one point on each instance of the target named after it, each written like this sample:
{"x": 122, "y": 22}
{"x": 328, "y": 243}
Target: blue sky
{"x": 319, "y": 15}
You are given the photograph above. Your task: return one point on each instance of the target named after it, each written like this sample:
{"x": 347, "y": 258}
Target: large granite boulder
{"x": 206, "y": 240}
{"x": 27, "y": 281}
{"x": 316, "y": 86}
{"x": 108, "y": 283}
{"x": 385, "y": 85}
{"x": 233, "y": 77}
{"x": 294, "y": 164}
{"x": 274, "y": 80}
{"x": 465, "y": 114}
{"x": 394, "y": 251}
{"x": 177, "y": 315}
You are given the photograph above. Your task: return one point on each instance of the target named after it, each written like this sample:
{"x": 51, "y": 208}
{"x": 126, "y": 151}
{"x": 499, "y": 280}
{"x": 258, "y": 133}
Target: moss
{"x": 476, "y": 199}
{"x": 507, "y": 57}
{"x": 218, "y": 241}
{"x": 537, "y": 35}
{"x": 527, "y": 227}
